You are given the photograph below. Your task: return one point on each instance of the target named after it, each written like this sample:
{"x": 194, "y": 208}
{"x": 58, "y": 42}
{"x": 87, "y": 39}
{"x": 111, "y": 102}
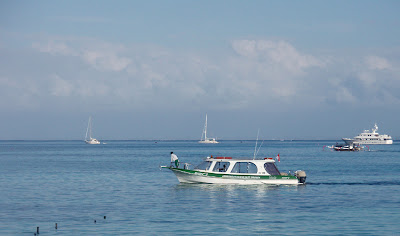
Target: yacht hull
{"x": 366, "y": 142}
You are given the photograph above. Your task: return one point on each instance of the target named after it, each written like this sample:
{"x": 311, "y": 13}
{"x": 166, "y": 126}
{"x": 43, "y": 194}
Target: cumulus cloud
{"x": 272, "y": 74}
{"x": 60, "y": 87}
{"x": 377, "y": 63}
{"x": 344, "y": 95}
{"x": 277, "y": 52}
{"x": 105, "y": 60}
{"x": 367, "y": 78}
{"x": 102, "y": 56}
{"x": 55, "y": 48}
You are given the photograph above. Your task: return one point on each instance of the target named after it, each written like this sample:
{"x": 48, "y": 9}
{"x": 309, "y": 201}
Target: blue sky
{"x": 153, "y": 69}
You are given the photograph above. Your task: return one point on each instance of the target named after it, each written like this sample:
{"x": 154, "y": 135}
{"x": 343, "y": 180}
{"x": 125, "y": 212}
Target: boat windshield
{"x": 244, "y": 167}
{"x": 203, "y": 166}
{"x": 271, "y": 168}
{"x": 221, "y": 166}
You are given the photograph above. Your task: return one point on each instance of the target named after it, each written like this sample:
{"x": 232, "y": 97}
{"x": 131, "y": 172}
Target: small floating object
{"x": 104, "y": 217}
{"x": 56, "y": 226}
{"x": 95, "y": 221}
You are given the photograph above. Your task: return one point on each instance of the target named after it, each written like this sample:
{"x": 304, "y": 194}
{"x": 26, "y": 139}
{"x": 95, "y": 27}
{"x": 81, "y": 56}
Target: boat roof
{"x": 266, "y": 159}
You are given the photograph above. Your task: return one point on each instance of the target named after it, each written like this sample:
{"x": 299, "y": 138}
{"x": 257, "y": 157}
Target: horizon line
{"x": 280, "y": 140}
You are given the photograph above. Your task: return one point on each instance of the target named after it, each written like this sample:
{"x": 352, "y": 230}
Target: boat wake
{"x": 396, "y": 151}
{"x": 382, "y": 183}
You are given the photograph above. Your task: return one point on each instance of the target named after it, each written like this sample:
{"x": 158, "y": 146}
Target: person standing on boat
{"x": 174, "y": 158}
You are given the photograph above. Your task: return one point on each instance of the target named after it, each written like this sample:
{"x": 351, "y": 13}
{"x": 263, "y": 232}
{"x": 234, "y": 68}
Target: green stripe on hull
{"x": 232, "y": 176}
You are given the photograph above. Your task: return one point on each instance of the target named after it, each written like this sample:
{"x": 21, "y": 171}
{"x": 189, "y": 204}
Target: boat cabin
{"x": 228, "y": 165}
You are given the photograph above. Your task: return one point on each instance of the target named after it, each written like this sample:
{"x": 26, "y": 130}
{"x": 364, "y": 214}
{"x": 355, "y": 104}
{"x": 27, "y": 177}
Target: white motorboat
{"x": 346, "y": 147}
{"x": 369, "y": 137}
{"x": 204, "y": 138}
{"x": 225, "y": 170}
{"x": 90, "y": 140}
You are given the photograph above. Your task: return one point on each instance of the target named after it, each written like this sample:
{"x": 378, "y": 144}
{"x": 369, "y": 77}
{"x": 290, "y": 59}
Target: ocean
{"x": 117, "y": 188}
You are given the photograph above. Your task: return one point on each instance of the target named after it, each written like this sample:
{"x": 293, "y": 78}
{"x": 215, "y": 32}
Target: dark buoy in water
{"x": 95, "y": 221}
{"x": 37, "y": 230}
{"x": 56, "y": 226}
{"x": 104, "y": 217}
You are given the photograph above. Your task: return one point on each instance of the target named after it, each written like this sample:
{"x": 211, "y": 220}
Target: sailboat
{"x": 206, "y": 140}
{"x": 89, "y": 131}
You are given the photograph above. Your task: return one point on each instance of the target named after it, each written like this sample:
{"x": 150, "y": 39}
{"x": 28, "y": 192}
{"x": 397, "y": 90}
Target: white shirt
{"x": 173, "y": 157}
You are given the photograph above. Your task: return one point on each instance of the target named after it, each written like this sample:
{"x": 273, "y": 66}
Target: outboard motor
{"x": 301, "y": 176}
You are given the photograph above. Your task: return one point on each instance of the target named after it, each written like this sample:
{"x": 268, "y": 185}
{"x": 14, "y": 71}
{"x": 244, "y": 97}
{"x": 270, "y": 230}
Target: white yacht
{"x": 204, "y": 138}
{"x": 370, "y": 137}
{"x": 225, "y": 170}
{"x": 90, "y": 140}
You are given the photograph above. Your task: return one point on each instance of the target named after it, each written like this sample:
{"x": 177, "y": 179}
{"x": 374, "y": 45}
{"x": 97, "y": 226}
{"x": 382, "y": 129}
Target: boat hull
{"x": 208, "y": 141}
{"x": 92, "y": 142}
{"x": 193, "y": 176}
{"x": 348, "y": 141}
{"x": 373, "y": 142}
{"x": 367, "y": 142}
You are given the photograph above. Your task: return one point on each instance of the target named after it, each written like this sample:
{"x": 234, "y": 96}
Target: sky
{"x": 154, "y": 69}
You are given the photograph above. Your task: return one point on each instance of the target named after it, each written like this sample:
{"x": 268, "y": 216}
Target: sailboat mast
{"x": 90, "y": 129}
{"x": 205, "y": 129}
{"x": 255, "y": 148}
{"x": 87, "y": 129}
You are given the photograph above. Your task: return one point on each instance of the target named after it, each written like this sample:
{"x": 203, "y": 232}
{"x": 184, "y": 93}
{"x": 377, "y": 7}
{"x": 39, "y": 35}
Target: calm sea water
{"x": 74, "y": 184}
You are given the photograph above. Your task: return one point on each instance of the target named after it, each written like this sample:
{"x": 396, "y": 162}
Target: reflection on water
{"x": 235, "y": 187}
{"x": 232, "y": 196}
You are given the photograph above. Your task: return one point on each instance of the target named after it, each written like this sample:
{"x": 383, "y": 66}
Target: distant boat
{"x": 204, "y": 138}
{"x": 89, "y": 131}
{"x": 368, "y": 137}
{"x": 353, "y": 147}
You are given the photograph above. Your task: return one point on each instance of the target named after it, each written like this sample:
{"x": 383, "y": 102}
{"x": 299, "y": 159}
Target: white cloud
{"x": 277, "y": 52}
{"x": 344, "y": 95}
{"x": 102, "y": 56}
{"x": 105, "y": 60}
{"x": 272, "y": 74}
{"x": 367, "y": 78}
{"x": 60, "y": 87}
{"x": 375, "y": 75}
{"x": 55, "y": 48}
{"x": 377, "y": 63}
